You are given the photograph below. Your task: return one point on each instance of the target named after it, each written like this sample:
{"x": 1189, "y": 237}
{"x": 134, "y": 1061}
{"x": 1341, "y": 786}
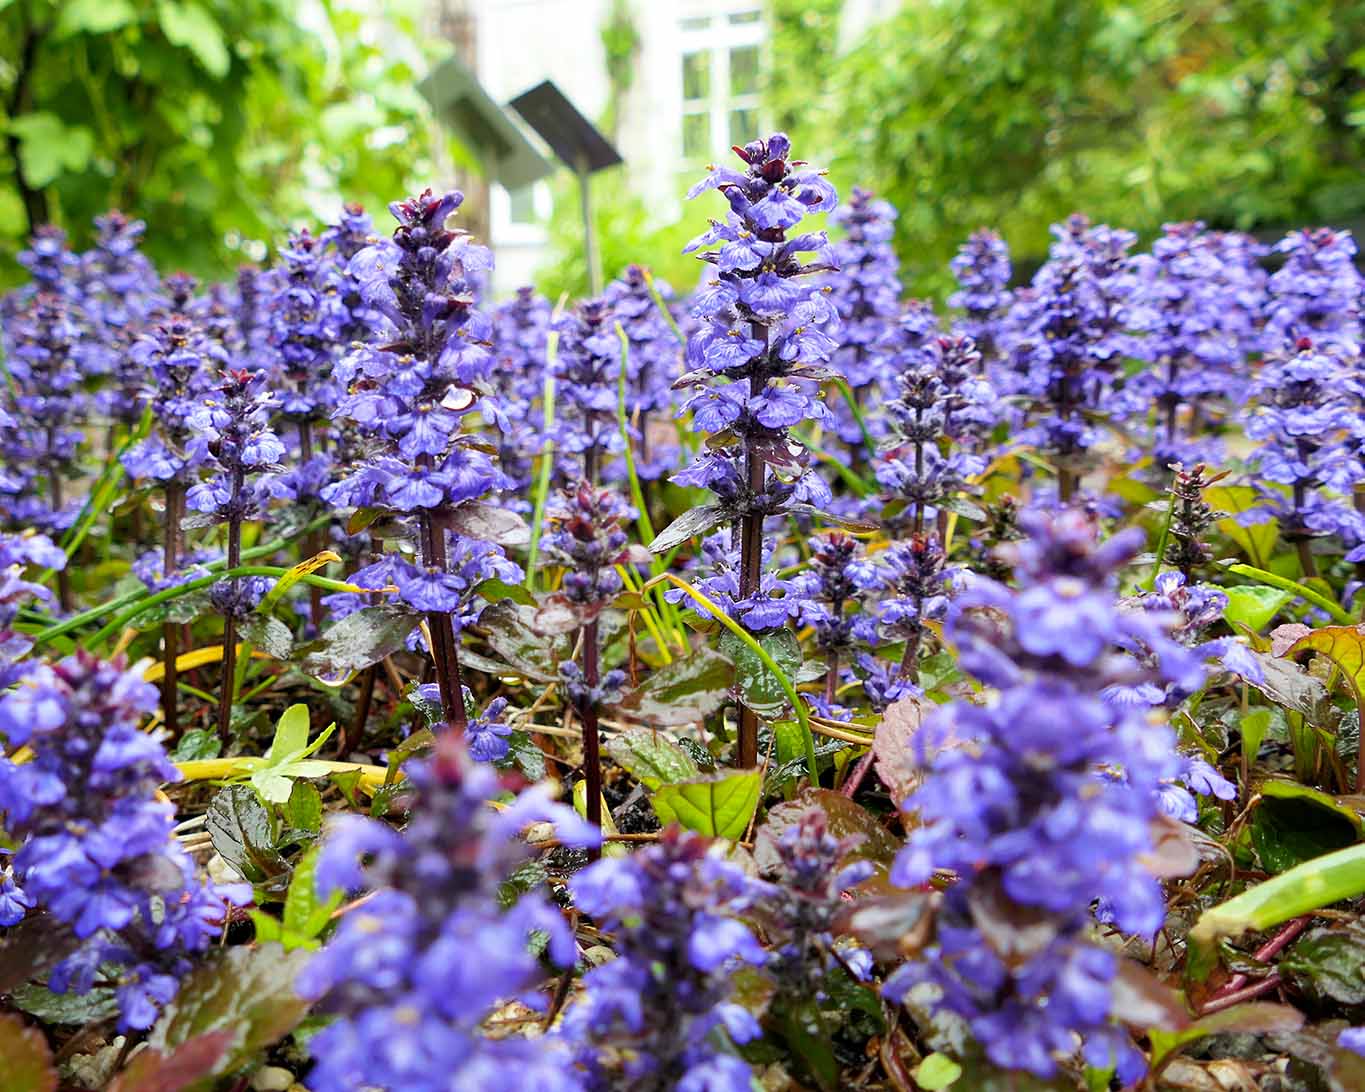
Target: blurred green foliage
{"x": 966, "y": 113}
{"x": 221, "y": 122}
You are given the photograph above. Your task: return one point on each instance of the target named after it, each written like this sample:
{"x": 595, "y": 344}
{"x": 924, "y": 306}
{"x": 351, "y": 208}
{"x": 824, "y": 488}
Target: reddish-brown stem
{"x": 1267, "y": 951}
{"x": 444, "y": 645}
{"x": 1257, "y": 989}
{"x": 170, "y": 631}
{"x": 234, "y": 560}
{"x": 592, "y": 758}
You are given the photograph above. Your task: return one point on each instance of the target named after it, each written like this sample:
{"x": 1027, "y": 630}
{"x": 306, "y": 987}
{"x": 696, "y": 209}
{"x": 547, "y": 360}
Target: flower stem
{"x": 170, "y": 631}
{"x": 228, "y": 686}
{"x": 592, "y": 758}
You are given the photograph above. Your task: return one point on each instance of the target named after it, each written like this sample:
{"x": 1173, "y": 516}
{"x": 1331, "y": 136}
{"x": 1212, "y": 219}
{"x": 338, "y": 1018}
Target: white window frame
{"x": 718, "y": 38}
{"x": 505, "y": 230}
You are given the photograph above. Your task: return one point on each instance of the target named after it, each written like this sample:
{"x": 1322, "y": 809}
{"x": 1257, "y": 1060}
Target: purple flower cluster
{"x": 764, "y": 342}
{"x": 1317, "y": 292}
{"x": 865, "y": 291}
{"x": 652, "y": 366}
{"x": 413, "y": 973}
{"x": 982, "y": 268}
{"x": 659, "y": 1015}
{"x": 17, "y": 552}
{"x": 587, "y": 367}
{"x": 826, "y": 591}
{"x": 520, "y": 337}
{"x": 1042, "y": 798}
{"x": 97, "y": 850}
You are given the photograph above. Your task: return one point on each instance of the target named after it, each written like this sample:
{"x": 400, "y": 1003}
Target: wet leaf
{"x": 197, "y": 743}
{"x": 65, "y": 1008}
{"x": 1345, "y": 647}
{"x": 651, "y": 758}
{"x": 358, "y": 640}
{"x": 190, "y": 1062}
{"x": 1309, "y": 886}
{"x": 758, "y": 687}
{"x": 509, "y": 628}
{"x": 1289, "y": 685}
{"x": 25, "y": 1057}
{"x": 1254, "y": 605}
{"x": 696, "y": 521}
{"x": 494, "y": 591}
{"x": 304, "y": 808}
{"x": 488, "y": 522}
{"x": 937, "y": 1072}
{"x": 683, "y": 692}
{"x": 246, "y": 992}
{"x": 1297, "y": 827}
{"x": 844, "y": 818}
{"x": 1331, "y": 1067}
{"x": 718, "y": 806}
{"x": 1328, "y": 965}
{"x": 1255, "y": 1018}
{"x": 894, "y": 745}
{"x": 242, "y": 833}
{"x": 305, "y": 915}
{"x": 268, "y": 634}
{"x": 556, "y": 614}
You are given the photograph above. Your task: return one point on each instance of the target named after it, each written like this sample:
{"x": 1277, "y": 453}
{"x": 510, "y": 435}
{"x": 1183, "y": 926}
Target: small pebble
{"x": 272, "y": 1078}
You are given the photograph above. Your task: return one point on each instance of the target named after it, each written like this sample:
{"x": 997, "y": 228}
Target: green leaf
{"x": 802, "y": 1027}
{"x": 268, "y": 634}
{"x": 197, "y": 743}
{"x": 1256, "y": 540}
{"x": 510, "y": 630}
{"x": 291, "y": 734}
{"x": 1309, "y": 886}
{"x": 48, "y": 148}
{"x": 683, "y": 692}
{"x": 304, "y": 808}
{"x": 1254, "y": 605}
{"x": 758, "y": 687}
{"x": 493, "y": 591}
{"x": 1253, "y": 727}
{"x": 1345, "y": 647}
{"x": 186, "y": 24}
{"x": 936, "y": 1072}
{"x": 247, "y": 992}
{"x": 651, "y": 758}
{"x": 93, "y": 17}
{"x": 64, "y": 1008}
{"x": 356, "y": 642}
{"x": 304, "y": 913}
{"x": 1295, "y": 827}
{"x": 242, "y": 834}
{"x": 718, "y": 806}
{"x": 25, "y": 1057}
{"x": 190, "y": 1062}
{"x": 1326, "y": 965}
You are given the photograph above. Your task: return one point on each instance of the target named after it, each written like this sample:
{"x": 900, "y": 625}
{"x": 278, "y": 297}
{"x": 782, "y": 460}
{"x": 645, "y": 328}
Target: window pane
{"x": 521, "y": 205}
{"x": 696, "y": 22}
{"x": 743, "y": 71}
{"x": 738, "y": 18}
{"x": 696, "y": 76}
{"x": 696, "y": 136}
{"x": 743, "y": 126}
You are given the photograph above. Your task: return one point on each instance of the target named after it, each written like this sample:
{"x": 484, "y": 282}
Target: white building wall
{"x": 522, "y": 42}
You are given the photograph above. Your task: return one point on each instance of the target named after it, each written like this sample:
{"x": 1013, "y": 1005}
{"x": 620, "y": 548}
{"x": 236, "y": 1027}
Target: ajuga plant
{"x": 1067, "y": 339}
{"x": 1197, "y": 286}
{"x": 757, "y": 359}
{"x": 96, "y": 849}
{"x": 982, "y": 268}
{"x": 17, "y": 553}
{"x": 520, "y": 343}
{"x": 588, "y": 539}
{"x": 1042, "y": 801}
{"x": 865, "y": 291}
{"x": 1316, "y": 293}
{"x": 830, "y": 596}
{"x": 411, "y": 975}
{"x": 118, "y": 289}
{"x": 1301, "y": 406}
{"x": 409, "y": 391}
{"x": 231, "y": 426}
{"x": 660, "y": 1016}
{"x": 586, "y": 369}
{"x": 177, "y": 362}
{"x": 652, "y": 365}
{"x": 1192, "y": 518}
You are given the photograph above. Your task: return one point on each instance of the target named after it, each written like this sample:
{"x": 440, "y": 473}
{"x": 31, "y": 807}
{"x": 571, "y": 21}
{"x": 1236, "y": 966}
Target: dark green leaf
{"x": 511, "y": 633}
{"x": 493, "y": 591}
{"x": 268, "y": 634}
{"x": 758, "y": 688}
{"x": 683, "y": 692}
{"x": 1328, "y": 965}
{"x": 802, "y": 1027}
{"x": 65, "y": 1008}
{"x": 1287, "y": 833}
{"x": 197, "y": 743}
{"x": 248, "y": 992}
{"x": 697, "y": 521}
{"x": 358, "y": 640}
{"x": 242, "y": 833}
{"x": 651, "y": 757}
{"x": 523, "y": 751}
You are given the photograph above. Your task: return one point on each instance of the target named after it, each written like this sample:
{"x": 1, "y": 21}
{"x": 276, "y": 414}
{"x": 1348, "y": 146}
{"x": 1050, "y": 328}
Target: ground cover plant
{"x": 781, "y": 683}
